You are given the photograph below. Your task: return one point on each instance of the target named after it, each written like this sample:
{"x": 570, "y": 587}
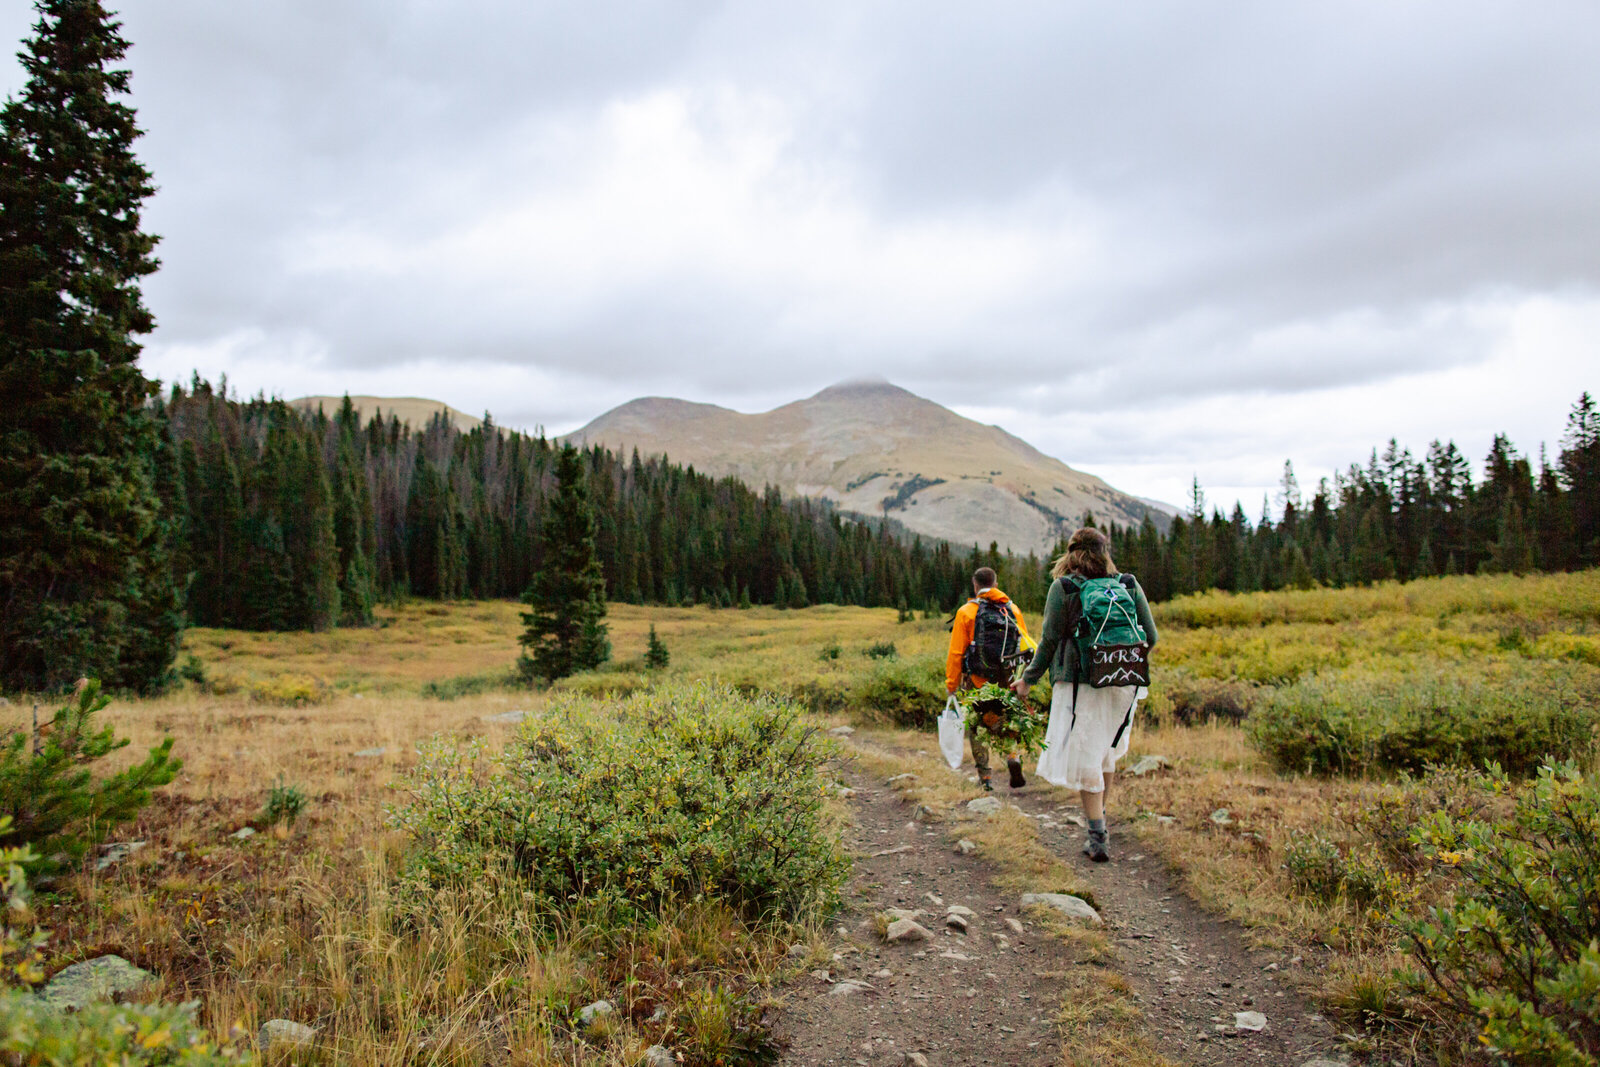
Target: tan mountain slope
{"x": 410, "y": 409}
{"x": 876, "y": 449}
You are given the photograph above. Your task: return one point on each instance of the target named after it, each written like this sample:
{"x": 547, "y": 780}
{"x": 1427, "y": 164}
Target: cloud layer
{"x": 1272, "y": 230}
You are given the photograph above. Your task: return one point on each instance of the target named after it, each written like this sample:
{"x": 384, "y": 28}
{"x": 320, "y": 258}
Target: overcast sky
{"x": 1158, "y": 240}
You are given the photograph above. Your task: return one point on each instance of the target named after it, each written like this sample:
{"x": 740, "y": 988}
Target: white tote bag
{"x": 952, "y": 733}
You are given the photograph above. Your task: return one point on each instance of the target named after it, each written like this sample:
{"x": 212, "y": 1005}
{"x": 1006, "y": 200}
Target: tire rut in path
{"x": 1190, "y": 970}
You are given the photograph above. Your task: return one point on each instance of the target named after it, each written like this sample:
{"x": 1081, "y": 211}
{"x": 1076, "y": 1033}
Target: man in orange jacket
{"x": 955, "y": 671}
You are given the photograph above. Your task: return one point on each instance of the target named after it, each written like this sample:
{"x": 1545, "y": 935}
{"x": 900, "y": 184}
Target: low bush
{"x": 285, "y": 803}
{"x": 1516, "y": 716}
{"x": 667, "y": 795}
{"x": 907, "y": 694}
{"x": 880, "y": 650}
{"x": 129, "y": 1035}
{"x": 1320, "y": 869}
{"x": 465, "y": 685}
{"x": 290, "y": 690}
{"x": 1517, "y": 950}
{"x": 1189, "y": 701}
{"x": 605, "y": 685}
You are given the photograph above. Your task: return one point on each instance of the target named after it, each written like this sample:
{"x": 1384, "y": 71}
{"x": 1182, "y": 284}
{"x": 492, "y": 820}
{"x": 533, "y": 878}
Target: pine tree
{"x": 656, "y": 655}
{"x": 1513, "y": 549}
{"x": 565, "y": 628}
{"x": 1580, "y": 468}
{"x": 85, "y": 552}
{"x": 49, "y": 793}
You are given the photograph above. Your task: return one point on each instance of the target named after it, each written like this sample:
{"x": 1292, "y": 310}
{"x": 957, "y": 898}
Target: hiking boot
{"x": 1014, "y": 765}
{"x": 1095, "y": 846}
{"x": 988, "y": 786}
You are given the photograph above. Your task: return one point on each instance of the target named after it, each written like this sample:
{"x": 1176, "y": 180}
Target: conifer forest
{"x": 303, "y": 521}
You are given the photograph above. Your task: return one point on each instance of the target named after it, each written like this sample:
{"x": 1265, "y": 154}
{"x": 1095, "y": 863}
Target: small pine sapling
{"x": 50, "y": 794}
{"x": 656, "y": 655}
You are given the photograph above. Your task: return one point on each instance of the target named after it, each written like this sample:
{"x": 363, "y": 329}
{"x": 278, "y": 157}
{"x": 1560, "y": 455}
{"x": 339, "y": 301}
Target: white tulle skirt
{"x": 1083, "y": 744}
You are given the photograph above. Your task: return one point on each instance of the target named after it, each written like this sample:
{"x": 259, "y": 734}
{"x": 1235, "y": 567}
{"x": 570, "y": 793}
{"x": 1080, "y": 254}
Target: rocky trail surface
{"x": 991, "y": 993}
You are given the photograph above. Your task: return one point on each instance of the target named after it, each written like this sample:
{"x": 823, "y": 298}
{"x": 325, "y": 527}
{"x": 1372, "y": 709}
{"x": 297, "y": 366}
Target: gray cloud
{"x": 744, "y": 202}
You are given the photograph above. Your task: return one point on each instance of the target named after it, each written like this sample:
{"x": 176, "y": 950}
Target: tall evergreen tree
{"x": 565, "y": 624}
{"x": 1580, "y": 467}
{"x": 85, "y": 552}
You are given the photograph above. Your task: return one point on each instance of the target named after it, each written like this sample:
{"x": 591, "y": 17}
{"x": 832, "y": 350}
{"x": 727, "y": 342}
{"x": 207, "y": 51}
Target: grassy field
{"x": 301, "y": 919}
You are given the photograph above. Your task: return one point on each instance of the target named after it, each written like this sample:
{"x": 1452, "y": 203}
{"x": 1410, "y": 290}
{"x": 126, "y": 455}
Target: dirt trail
{"x": 991, "y": 995}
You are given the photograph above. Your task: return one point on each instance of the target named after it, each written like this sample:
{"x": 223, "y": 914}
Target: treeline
{"x": 296, "y": 520}
{"x": 1396, "y": 517}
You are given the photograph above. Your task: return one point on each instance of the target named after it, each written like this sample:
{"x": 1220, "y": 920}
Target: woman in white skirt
{"x": 1089, "y": 728}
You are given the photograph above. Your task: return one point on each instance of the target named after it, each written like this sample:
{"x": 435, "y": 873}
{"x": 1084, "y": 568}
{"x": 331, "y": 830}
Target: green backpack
{"x": 1113, "y": 648}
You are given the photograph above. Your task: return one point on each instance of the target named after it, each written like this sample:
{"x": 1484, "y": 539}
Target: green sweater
{"x": 1057, "y": 650}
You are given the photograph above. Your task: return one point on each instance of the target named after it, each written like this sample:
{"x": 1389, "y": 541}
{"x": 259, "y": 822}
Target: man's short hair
{"x": 984, "y": 577}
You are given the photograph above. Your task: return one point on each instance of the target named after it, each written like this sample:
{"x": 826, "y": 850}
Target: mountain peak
{"x": 872, "y": 386}
{"x": 876, "y": 449}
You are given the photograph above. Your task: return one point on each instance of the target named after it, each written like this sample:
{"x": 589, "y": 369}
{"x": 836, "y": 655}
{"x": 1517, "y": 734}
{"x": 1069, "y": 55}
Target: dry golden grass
{"x": 297, "y": 923}
{"x": 419, "y": 642}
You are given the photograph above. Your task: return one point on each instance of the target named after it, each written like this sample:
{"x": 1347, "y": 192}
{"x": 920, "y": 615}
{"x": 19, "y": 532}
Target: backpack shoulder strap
{"x": 1072, "y": 588}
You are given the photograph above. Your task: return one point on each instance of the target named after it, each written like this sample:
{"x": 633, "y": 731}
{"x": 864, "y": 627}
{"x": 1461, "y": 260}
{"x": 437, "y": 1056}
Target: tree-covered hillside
{"x": 297, "y": 521}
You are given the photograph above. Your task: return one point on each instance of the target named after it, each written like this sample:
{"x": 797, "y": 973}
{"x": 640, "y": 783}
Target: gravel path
{"x": 990, "y": 995}
{"x": 1191, "y": 970}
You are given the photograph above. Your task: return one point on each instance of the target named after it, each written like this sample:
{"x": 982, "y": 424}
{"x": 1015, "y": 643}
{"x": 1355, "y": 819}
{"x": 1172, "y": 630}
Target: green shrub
{"x": 881, "y": 650}
{"x": 829, "y": 652}
{"x": 1189, "y": 700}
{"x": 192, "y": 670}
{"x": 1323, "y": 871}
{"x": 1518, "y": 948}
{"x": 52, "y": 798}
{"x": 668, "y": 794}
{"x": 909, "y": 694}
{"x": 464, "y": 685}
{"x": 20, "y": 958}
{"x": 604, "y": 685}
{"x": 1345, "y": 724}
{"x": 133, "y": 1035}
{"x": 289, "y": 690}
{"x": 285, "y": 803}
{"x": 1315, "y": 866}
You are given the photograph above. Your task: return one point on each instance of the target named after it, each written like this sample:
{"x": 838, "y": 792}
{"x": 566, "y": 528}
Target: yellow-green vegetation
{"x": 318, "y": 917}
{"x": 1393, "y": 697}
{"x": 676, "y": 794}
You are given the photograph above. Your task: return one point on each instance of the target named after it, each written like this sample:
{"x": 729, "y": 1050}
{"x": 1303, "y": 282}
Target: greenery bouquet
{"x": 1007, "y": 719}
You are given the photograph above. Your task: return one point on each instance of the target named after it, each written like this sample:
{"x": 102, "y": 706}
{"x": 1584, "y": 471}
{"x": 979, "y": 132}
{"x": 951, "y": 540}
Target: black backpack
{"x": 996, "y": 641}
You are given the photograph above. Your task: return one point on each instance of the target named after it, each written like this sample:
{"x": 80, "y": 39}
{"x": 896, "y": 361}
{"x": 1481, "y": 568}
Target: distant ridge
{"x": 409, "y": 409}
{"x": 876, "y": 449}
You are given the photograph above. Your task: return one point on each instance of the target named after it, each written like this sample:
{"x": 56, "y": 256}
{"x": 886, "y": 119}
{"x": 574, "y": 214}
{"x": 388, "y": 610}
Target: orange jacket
{"x": 961, "y": 637}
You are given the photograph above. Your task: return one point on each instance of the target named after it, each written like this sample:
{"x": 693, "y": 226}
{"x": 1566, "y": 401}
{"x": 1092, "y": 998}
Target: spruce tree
{"x": 656, "y": 656}
{"x": 565, "y": 624}
{"x": 85, "y": 551}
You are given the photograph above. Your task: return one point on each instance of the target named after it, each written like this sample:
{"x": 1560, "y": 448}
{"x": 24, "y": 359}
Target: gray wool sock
{"x": 1097, "y": 826}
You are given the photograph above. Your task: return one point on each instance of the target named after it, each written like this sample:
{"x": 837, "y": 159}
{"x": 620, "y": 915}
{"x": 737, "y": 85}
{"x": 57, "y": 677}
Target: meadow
{"x": 341, "y": 749}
